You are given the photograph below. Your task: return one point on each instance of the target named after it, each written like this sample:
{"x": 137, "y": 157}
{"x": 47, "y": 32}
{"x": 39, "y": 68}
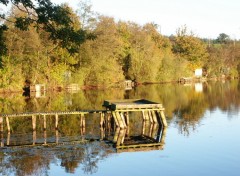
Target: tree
{"x": 54, "y": 19}
{"x": 223, "y": 38}
{"x": 190, "y": 48}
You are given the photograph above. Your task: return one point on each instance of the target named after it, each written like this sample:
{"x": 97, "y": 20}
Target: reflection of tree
{"x": 36, "y": 160}
{"x": 25, "y": 162}
{"x": 191, "y": 114}
{"x": 93, "y": 152}
{"x": 88, "y": 155}
{"x": 71, "y": 159}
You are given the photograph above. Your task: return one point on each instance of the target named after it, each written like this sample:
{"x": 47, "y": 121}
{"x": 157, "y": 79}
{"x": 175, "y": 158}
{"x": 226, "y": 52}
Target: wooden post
{"x": 121, "y": 137}
{"x": 44, "y": 123}
{"x": 34, "y": 122}
{"x": 83, "y": 123}
{"x": 123, "y": 119}
{"x": 1, "y": 131}
{"x": 163, "y": 136}
{"x": 150, "y": 116}
{"x": 108, "y": 123}
{"x": 102, "y": 133}
{"x": 34, "y": 137}
{"x": 8, "y": 138}
{"x": 120, "y": 120}
{"x": 57, "y": 136}
{"x": 116, "y": 134}
{"x": 143, "y": 128}
{"x": 115, "y": 119}
{"x": 101, "y": 119}
{"x": 154, "y": 130}
{"x": 127, "y": 118}
{"x": 154, "y": 117}
{"x": 8, "y": 124}
{"x": 1, "y": 124}
{"x": 143, "y": 115}
{"x": 164, "y": 121}
{"x": 45, "y": 137}
{"x": 56, "y": 121}
{"x": 150, "y": 130}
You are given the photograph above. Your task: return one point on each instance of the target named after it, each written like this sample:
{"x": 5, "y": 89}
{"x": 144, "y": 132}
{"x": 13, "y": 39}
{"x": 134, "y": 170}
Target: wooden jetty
{"x": 151, "y": 111}
{"x": 116, "y": 110}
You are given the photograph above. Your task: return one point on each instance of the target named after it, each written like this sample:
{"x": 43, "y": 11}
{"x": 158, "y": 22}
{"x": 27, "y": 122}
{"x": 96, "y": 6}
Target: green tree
{"x": 190, "y": 48}
{"x": 223, "y": 38}
{"x": 52, "y": 18}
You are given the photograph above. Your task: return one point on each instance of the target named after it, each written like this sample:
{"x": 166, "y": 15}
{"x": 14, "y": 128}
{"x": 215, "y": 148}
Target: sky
{"x": 205, "y": 18}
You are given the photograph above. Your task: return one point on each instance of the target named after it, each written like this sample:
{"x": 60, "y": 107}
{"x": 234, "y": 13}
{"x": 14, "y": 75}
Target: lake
{"x": 202, "y": 137}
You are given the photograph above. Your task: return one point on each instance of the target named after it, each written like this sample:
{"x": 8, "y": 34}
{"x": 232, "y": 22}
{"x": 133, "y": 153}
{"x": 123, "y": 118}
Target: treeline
{"x": 115, "y": 51}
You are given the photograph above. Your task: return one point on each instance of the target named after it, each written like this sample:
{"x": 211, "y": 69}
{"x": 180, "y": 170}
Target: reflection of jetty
{"x": 117, "y": 112}
{"x": 151, "y": 138}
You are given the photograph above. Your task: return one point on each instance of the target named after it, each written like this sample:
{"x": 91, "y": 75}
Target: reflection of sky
{"x": 212, "y": 149}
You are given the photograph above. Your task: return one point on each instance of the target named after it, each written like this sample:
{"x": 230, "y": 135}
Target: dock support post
{"x": 120, "y": 120}
{"x": 101, "y": 119}
{"x": 1, "y": 131}
{"x": 116, "y": 135}
{"x": 56, "y": 121}
{"x": 34, "y": 137}
{"x": 164, "y": 121}
{"x": 121, "y": 137}
{"x": 8, "y": 138}
{"x": 127, "y": 118}
{"x": 8, "y": 124}
{"x": 150, "y": 116}
{"x": 45, "y": 137}
{"x": 115, "y": 119}
{"x": 34, "y": 122}
{"x": 154, "y": 117}
{"x": 44, "y": 123}
{"x": 82, "y": 124}
{"x": 144, "y": 116}
{"x": 57, "y": 136}
{"x": 123, "y": 119}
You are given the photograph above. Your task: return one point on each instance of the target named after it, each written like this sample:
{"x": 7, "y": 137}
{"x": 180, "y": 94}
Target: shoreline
{"x": 99, "y": 87}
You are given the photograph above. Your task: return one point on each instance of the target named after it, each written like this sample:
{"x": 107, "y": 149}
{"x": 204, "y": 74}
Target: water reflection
{"x": 77, "y": 145}
{"x": 84, "y": 150}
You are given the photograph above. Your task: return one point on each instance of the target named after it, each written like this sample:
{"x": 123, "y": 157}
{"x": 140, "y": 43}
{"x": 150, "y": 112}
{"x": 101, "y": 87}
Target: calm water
{"x": 203, "y": 136}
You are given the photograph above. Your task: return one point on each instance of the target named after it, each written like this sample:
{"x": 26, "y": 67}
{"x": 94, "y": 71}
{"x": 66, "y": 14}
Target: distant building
{"x": 198, "y": 72}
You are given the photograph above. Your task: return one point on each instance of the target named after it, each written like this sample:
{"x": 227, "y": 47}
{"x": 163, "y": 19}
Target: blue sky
{"x": 206, "y": 18}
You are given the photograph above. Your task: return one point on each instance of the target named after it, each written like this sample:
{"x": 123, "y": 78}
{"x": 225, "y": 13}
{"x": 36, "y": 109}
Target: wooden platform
{"x": 131, "y": 104}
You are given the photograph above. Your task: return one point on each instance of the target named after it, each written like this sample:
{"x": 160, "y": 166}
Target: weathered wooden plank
{"x": 130, "y": 104}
